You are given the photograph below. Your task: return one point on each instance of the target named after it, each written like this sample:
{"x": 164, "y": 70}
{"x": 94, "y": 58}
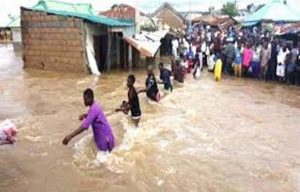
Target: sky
{"x": 12, "y": 7}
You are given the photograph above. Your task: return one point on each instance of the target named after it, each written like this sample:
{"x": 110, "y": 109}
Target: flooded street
{"x": 238, "y": 135}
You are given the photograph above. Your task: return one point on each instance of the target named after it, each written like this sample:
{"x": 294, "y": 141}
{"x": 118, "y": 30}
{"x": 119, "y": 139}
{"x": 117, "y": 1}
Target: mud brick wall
{"x": 52, "y": 42}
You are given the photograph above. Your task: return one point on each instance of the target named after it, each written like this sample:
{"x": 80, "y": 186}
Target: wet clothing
{"x": 179, "y": 73}
{"x": 152, "y": 91}
{"x": 103, "y": 135}
{"x": 165, "y": 76}
{"x": 133, "y": 99}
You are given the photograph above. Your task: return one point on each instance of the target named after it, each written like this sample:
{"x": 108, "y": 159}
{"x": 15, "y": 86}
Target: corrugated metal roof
{"x": 83, "y": 11}
{"x": 290, "y": 28}
{"x": 147, "y": 43}
{"x": 83, "y": 8}
{"x": 274, "y": 11}
{"x": 16, "y": 22}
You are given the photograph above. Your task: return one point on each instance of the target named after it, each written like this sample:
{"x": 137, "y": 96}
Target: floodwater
{"x": 231, "y": 136}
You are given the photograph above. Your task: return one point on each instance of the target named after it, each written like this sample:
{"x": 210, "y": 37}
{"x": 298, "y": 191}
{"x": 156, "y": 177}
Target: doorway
{"x": 101, "y": 51}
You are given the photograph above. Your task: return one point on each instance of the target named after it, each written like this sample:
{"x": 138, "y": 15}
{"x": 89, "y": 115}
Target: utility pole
{"x": 190, "y": 14}
{"x": 137, "y": 16}
{"x": 211, "y": 8}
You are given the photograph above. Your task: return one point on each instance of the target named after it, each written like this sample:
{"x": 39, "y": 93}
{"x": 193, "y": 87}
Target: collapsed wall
{"x": 52, "y": 42}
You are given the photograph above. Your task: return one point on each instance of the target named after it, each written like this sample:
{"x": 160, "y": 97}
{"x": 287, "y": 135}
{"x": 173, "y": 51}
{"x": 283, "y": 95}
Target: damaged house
{"x": 71, "y": 37}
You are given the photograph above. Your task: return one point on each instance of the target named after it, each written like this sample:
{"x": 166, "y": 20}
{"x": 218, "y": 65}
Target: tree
{"x": 230, "y": 9}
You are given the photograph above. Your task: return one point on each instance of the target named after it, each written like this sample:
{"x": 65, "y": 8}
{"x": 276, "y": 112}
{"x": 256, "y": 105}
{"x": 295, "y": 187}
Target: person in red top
{"x": 247, "y": 58}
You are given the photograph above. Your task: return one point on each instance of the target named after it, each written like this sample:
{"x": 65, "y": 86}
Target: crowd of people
{"x": 251, "y": 53}
{"x": 243, "y": 53}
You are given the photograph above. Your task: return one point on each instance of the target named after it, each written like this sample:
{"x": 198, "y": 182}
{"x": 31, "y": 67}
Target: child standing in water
{"x": 133, "y": 103}
{"x": 103, "y": 135}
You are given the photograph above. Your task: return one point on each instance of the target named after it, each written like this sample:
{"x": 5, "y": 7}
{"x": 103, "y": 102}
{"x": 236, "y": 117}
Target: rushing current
{"x": 236, "y": 135}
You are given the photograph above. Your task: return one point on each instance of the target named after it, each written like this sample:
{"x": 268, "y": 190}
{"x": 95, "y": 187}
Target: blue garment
{"x": 238, "y": 57}
{"x": 291, "y": 68}
{"x": 190, "y": 54}
{"x": 152, "y": 87}
{"x": 255, "y": 68}
{"x": 165, "y": 75}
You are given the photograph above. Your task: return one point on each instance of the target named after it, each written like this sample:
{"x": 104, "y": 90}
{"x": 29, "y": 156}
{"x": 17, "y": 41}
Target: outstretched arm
{"x": 89, "y": 118}
{"x": 82, "y": 117}
{"x": 143, "y": 90}
{"x": 123, "y": 108}
{"x": 76, "y": 132}
{"x": 126, "y": 106}
{"x": 146, "y": 89}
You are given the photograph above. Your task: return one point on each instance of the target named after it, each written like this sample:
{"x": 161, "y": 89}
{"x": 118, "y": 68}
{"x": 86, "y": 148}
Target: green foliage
{"x": 230, "y": 9}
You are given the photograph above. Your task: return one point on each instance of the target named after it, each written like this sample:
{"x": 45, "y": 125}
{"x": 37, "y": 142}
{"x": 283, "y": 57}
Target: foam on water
{"x": 120, "y": 160}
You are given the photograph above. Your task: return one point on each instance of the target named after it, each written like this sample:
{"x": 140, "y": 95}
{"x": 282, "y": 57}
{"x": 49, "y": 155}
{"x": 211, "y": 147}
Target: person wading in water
{"x": 103, "y": 135}
{"x": 133, "y": 103}
{"x": 151, "y": 86}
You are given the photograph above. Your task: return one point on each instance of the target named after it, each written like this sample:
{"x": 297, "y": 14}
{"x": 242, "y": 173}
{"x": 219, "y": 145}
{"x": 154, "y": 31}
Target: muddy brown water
{"x": 237, "y": 135}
